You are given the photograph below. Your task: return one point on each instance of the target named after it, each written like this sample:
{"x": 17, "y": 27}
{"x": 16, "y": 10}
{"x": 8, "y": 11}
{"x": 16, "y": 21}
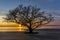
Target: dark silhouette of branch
{"x": 29, "y": 16}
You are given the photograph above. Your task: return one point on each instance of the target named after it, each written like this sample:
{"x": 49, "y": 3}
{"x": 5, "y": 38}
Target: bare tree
{"x": 29, "y": 16}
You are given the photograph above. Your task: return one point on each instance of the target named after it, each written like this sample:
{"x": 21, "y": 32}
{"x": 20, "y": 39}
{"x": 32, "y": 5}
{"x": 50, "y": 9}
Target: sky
{"x": 49, "y": 5}
{"x": 52, "y": 6}
{"x": 46, "y": 5}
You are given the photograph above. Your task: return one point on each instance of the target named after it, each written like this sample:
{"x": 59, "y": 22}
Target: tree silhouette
{"x": 29, "y": 16}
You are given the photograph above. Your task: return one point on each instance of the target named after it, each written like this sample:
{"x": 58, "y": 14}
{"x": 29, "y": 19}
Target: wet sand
{"x": 44, "y": 34}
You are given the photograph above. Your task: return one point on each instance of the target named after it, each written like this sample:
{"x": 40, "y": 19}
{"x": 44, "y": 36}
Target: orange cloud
{"x": 56, "y": 23}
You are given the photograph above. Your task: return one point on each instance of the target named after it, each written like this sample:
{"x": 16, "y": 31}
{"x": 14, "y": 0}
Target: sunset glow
{"x": 10, "y": 27}
{"x": 14, "y": 27}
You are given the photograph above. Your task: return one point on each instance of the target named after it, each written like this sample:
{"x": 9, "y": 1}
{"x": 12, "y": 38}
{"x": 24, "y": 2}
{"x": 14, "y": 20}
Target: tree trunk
{"x": 30, "y": 30}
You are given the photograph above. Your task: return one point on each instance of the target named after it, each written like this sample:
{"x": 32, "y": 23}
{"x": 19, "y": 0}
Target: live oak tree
{"x": 29, "y": 16}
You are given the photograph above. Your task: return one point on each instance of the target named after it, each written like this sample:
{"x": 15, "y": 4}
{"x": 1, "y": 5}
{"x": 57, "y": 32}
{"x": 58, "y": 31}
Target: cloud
{"x": 3, "y": 12}
{"x": 55, "y": 13}
{"x": 1, "y": 17}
